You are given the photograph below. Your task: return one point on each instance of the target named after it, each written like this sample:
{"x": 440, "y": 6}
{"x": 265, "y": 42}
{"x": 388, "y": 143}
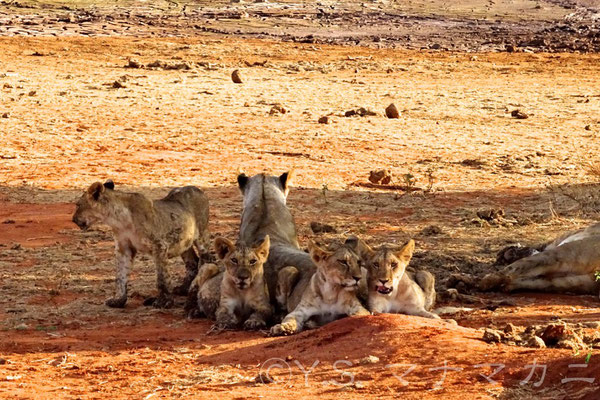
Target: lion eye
{"x": 343, "y": 262}
{"x": 394, "y": 265}
{"x": 234, "y": 260}
{"x": 376, "y": 265}
{"x": 252, "y": 262}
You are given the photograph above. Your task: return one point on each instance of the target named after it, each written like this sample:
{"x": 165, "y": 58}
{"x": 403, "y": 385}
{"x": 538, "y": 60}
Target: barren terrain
{"x": 157, "y": 112}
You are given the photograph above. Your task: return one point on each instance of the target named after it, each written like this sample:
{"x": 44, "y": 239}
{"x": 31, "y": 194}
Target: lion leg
{"x": 426, "y": 281}
{"x": 293, "y": 322}
{"x": 191, "y": 259}
{"x": 286, "y": 280}
{"x": 193, "y": 307}
{"x": 124, "y": 258}
{"x": 165, "y": 297}
{"x": 225, "y": 316}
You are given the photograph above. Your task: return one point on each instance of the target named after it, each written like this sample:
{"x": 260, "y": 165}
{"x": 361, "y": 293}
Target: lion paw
{"x": 159, "y": 302}
{"x": 254, "y": 324}
{"x": 282, "y": 330}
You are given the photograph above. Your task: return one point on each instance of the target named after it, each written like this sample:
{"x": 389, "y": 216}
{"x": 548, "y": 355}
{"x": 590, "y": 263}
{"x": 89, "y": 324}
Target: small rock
{"x": 435, "y": 46}
{"x": 7, "y": 86}
{"x": 381, "y": 176}
{"x": 318, "y": 227}
{"x": 588, "y": 128}
{"x": 591, "y": 324}
{"x": 8, "y": 221}
{"x": 32, "y": 92}
{"x": 324, "y": 120}
{"x": 264, "y": 377}
{"x": 350, "y": 113}
{"x": 5, "y": 115}
{"x": 118, "y": 85}
{"x": 3, "y": 361}
{"x": 277, "y": 109}
{"x": 518, "y": 114}
{"x": 536, "y": 342}
{"x": 235, "y": 76}
{"x": 491, "y": 214}
{"x": 510, "y": 48}
{"x": 553, "y": 334}
{"x": 431, "y": 230}
{"x": 133, "y": 63}
{"x": 369, "y": 360}
{"x": 392, "y": 112}
{"x": 492, "y": 336}
{"x": 16, "y": 246}
{"x": 510, "y": 329}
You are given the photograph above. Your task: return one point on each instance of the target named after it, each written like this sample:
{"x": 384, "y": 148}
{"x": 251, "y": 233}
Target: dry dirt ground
{"x": 71, "y": 113}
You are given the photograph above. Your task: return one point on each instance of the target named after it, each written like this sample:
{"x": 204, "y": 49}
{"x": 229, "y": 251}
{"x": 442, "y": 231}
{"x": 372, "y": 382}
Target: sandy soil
{"x": 64, "y": 125}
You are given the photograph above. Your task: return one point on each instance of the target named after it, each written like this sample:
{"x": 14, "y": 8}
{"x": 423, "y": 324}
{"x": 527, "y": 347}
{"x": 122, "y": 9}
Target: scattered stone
{"x": 518, "y": 114}
{"x": 492, "y": 336}
{"x": 324, "y": 120}
{"x": 510, "y": 329}
{"x": 170, "y": 66}
{"x": 431, "y": 230}
{"x": 473, "y": 162}
{"x": 38, "y": 54}
{"x": 8, "y": 221}
{"x": 392, "y": 112}
{"x": 118, "y": 85}
{"x": 510, "y": 48}
{"x": 361, "y": 112}
{"x": 7, "y": 86}
{"x": 5, "y": 115}
{"x": 16, "y": 246}
{"x": 277, "y": 109}
{"x": 369, "y": 360}
{"x": 264, "y": 377}
{"x": 318, "y": 227}
{"x": 133, "y": 63}
{"x": 382, "y": 176}
{"x": 591, "y": 324}
{"x": 435, "y": 46}
{"x": 588, "y": 128}
{"x": 536, "y": 342}
{"x": 491, "y": 214}
{"x": 235, "y": 76}
{"x": 3, "y": 361}
{"x": 32, "y": 92}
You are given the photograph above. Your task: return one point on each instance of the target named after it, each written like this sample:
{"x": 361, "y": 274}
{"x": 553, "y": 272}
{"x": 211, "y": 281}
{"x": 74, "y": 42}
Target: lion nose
{"x": 356, "y": 278}
{"x": 384, "y": 281}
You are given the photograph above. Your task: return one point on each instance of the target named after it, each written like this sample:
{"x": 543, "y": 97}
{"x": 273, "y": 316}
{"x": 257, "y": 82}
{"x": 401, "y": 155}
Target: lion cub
{"x": 391, "y": 288}
{"x": 165, "y": 228}
{"x": 330, "y": 292}
{"x": 238, "y": 291}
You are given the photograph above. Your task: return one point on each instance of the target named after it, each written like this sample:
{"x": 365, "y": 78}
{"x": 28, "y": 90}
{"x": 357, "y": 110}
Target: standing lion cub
{"x": 164, "y": 228}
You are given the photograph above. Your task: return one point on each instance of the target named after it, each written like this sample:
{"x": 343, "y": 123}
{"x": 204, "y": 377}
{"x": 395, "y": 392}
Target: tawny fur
{"x": 331, "y": 291}
{"x": 567, "y": 264}
{"x": 392, "y": 289}
{"x": 164, "y": 228}
{"x": 236, "y": 293}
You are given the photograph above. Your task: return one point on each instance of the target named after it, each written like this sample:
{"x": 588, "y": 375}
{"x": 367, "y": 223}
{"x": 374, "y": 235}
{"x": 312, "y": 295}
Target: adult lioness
{"x": 392, "y": 289}
{"x": 165, "y": 228}
{"x": 236, "y": 292}
{"x": 567, "y": 264}
{"x": 330, "y": 293}
{"x": 265, "y": 213}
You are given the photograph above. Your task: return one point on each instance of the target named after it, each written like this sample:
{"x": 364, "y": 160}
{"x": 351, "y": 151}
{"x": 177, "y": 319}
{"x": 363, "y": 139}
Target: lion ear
{"x": 406, "y": 252}
{"x": 242, "y": 180}
{"x": 285, "y": 179}
{"x": 360, "y": 247}
{"x": 262, "y": 248}
{"x": 109, "y": 184}
{"x": 317, "y": 253}
{"x": 223, "y": 247}
{"x": 95, "y": 190}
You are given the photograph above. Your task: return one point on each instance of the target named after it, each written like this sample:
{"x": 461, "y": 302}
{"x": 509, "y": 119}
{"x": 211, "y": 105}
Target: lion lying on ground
{"x": 235, "y": 293}
{"x": 164, "y": 228}
{"x": 568, "y": 264}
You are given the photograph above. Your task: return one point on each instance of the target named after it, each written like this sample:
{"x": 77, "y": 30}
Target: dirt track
{"x": 67, "y": 125}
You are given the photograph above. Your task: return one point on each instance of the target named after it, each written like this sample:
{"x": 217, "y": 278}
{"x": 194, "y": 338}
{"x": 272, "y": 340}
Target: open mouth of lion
{"x": 383, "y": 289}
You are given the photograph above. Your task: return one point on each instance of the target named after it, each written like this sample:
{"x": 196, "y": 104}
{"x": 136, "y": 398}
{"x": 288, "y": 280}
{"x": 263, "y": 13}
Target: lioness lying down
{"x": 165, "y": 228}
{"x": 392, "y": 289}
{"x": 567, "y": 264}
{"x": 330, "y": 293}
{"x": 235, "y": 293}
